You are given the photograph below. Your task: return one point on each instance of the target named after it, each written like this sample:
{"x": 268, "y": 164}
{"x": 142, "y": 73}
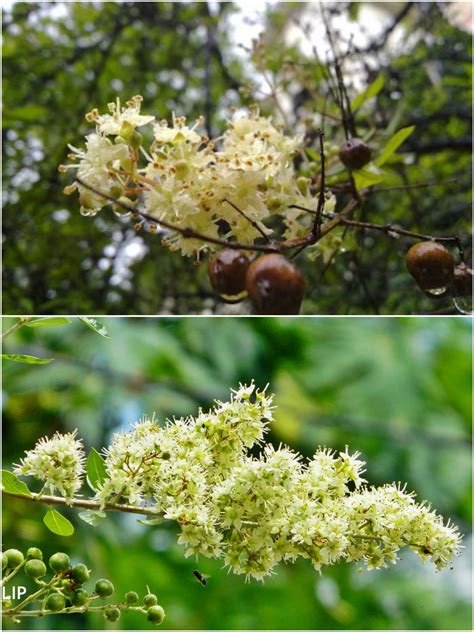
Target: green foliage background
{"x": 181, "y": 56}
{"x": 398, "y": 390}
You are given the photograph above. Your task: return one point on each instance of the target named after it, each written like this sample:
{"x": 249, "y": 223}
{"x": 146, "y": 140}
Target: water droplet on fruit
{"x": 463, "y": 304}
{"x": 121, "y": 213}
{"x": 436, "y": 291}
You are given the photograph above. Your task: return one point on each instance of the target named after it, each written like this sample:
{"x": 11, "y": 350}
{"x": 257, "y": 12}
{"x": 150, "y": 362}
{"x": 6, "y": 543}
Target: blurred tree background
{"x": 398, "y": 390}
{"x": 185, "y": 57}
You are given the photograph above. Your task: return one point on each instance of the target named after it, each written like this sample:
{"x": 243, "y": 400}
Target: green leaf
{"x": 10, "y": 483}
{"x": 57, "y": 523}
{"x": 94, "y": 518}
{"x": 26, "y": 359}
{"x": 151, "y": 522}
{"x": 49, "y": 321}
{"x": 371, "y": 91}
{"x": 313, "y": 154}
{"x": 368, "y": 176}
{"x": 95, "y": 325}
{"x": 96, "y": 472}
{"x": 394, "y": 143}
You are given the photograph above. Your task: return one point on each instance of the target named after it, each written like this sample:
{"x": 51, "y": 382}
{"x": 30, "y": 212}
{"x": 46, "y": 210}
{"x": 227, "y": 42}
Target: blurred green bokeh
{"x": 398, "y": 390}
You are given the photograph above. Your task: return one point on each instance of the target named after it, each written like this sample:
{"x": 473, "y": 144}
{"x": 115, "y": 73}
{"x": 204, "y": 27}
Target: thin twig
{"x": 78, "y": 503}
{"x": 249, "y": 219}
{"x": 390, "y": 228}
{"x": 321, "y": 199}
{"x": 187, "y": 233}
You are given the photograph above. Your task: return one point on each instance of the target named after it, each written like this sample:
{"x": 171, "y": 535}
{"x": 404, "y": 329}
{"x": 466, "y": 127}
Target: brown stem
{"x": 390, "y": 228}
{"x": 249, "y": 219}
{"x": 77, "y": 503}
{"x": 321, "y": 199}
{"x": 187, "y": 233}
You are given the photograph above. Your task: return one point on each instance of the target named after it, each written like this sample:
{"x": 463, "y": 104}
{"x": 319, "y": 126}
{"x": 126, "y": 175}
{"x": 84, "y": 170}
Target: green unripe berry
{"x": 4, "y": 561}
{"x": 55, "y": 602}
{"x": 112, "y": 613}
{"x": 156, "y": 615}
{"x": 79, "y": 597}
{"x": 34, "y": 554}
{"x": 35, "y": 568}
{"x": 59, "y": 562}
{"x": 14, "y": 558}
{"x": 80, "y": 573}
{"x": 104, "y": 588}
{"x": 150, "y": 600}
{"x": 131, "y": 598}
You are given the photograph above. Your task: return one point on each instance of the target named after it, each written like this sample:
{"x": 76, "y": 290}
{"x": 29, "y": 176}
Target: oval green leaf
{"x": 93, "y": 518}
{"x": 26, "y": 359}
{"x": 94, "y": 324}
{"x": 57, "y": 523}
{"x": 96, "y": 472}
{"x": 394, "y": 143}
{"x": 48, "y": 321}
{"x": 371, "y": 91}
{"x": 11, "y": 483}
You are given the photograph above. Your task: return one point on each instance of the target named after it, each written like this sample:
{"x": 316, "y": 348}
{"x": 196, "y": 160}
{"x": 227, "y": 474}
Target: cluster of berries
{"x": 64, "y": 592}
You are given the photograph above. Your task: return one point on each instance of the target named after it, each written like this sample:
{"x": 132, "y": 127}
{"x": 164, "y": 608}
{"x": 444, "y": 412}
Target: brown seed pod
{"x": 275, "y": 285}
{"x": 462, "y": 282}
{"x": 431, "y": 265}
{"x": 227, "y": 270}
{"x": 355, "y": 153}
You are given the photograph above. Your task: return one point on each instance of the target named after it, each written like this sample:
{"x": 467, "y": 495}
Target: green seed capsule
{"x": 4, "y": 561}
{"x": 55, "y": 602}
{"x": 79, "y": 597}
{"x": 104, "y": 588}
{"x": 112, "y": 613}
{"x": 34, "y": 553}
{"x": 14, "y": 558}
{"x": 35, "y": 568}
{"x": 59, "y": 562}
{"x": 131, "y": 598}
{"x": 80, "y": 573}
{"x": 156, "y": 615}
{"x": 150, "y": 600}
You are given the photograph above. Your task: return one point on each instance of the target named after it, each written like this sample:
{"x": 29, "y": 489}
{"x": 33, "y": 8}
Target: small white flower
{"x": 58, "y": 462}
{"x": 111, "y": 124}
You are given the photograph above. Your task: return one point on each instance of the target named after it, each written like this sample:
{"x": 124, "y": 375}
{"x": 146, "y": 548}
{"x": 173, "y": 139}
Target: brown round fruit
{"x": 431, "y": 265}
{"x": 275, "y": 285}
{"x": 462, "y": 282}
{"x": 355, "y": 153}
{"x": 227, "y": 270}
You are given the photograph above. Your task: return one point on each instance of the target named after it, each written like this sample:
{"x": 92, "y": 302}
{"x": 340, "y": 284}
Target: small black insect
{"x": 200, "y": 577}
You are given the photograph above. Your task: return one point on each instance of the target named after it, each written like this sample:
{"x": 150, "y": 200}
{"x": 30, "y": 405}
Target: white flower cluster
{"x": 194, "y": 183}
{"x": 256, "y": 511}
{"x": 58, "y": 462}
